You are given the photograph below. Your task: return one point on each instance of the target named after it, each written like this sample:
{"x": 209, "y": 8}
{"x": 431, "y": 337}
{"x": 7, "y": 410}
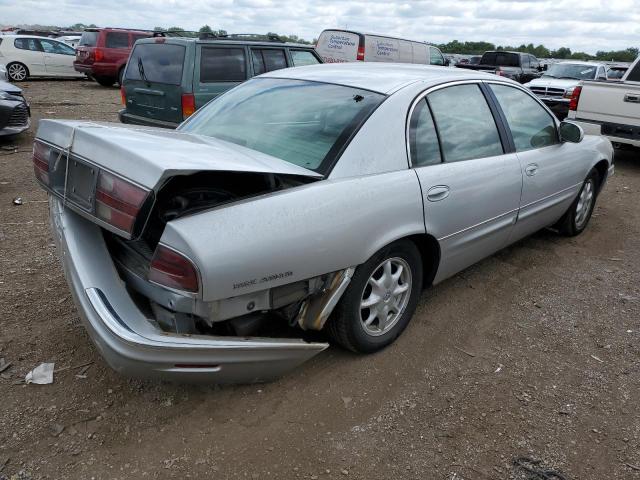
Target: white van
{"x": 337, "y": 46}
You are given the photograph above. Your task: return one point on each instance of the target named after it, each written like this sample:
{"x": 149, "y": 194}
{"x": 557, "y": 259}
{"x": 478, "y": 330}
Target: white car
{"x": 27, "y": 56}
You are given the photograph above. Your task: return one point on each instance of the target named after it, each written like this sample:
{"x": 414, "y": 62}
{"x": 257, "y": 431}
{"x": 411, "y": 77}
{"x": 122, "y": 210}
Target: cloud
{"x": 587, "y": 25}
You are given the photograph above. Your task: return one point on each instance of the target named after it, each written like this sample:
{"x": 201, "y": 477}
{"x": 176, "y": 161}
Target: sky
{"x": 582, "y": 25}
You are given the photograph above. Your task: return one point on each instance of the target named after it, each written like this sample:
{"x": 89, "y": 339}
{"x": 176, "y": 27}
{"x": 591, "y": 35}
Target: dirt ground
{"x": 533, "y": 352}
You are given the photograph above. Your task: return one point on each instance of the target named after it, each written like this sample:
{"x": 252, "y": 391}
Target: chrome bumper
{"x": 132, "y": 345}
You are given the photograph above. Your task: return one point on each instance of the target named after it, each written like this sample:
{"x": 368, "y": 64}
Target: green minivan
{"x": 169, "y": 78}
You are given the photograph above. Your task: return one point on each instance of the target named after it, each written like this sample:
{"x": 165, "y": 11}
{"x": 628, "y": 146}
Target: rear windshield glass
{"x": 156, "y": 63}
{"x": 222, "y": 65}
{"x": 301, "y": 122}
{"x": 571, "y": 71}
{"x": 88, "y": 39}
{"x": 501, "y": 59}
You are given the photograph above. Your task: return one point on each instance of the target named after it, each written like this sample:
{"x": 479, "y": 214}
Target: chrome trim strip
{"x": 479, "y": 224}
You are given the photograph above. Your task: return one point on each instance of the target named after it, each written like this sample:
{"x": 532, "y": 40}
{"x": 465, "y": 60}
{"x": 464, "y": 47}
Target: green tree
{"x": 205, "y": 29}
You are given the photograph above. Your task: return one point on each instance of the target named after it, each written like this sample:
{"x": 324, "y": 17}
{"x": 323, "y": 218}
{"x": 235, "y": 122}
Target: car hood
{"x": 149, "y": 155}
{"x": 10, "y": 88}
{"x": 553, "y": 82}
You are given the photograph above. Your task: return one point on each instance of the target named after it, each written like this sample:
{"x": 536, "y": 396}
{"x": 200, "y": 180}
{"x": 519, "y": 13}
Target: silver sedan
{"x": 318, "y": 198}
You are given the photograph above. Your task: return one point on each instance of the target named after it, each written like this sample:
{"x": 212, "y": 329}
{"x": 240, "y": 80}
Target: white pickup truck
{"x": 609, "y": 108}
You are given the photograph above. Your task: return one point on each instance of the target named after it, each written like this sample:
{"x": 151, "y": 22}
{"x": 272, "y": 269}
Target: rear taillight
{"x": 575, "y": 98}
{"x": 118, "y": 201}
{"x": 123, "y": 96}
{"x": 98, "y": 55}
{"x": 41, "y": 154}
{"x": 188, "y": 105}
{"x": 172, "y": 269}
{"x": 360, "y": 56}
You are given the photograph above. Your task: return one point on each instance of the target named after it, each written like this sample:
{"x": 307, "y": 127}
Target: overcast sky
{"x": 587, "y": 25}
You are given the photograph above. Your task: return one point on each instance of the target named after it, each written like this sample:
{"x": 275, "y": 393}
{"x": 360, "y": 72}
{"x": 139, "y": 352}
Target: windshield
{"x": 571, "y": 70}
{"x": 88, "y": 39}
{"x": 301, "y": 122}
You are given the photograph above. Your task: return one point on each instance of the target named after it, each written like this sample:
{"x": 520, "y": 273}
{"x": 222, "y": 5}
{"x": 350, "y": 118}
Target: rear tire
{"x": 577, "y": 217}
{"x": 105, "y": 81}
{"x": 17, "y": 72}
{"x": 384, "y": 293}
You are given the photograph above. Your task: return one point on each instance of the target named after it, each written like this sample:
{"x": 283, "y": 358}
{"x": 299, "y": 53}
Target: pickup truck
{"x": 521, "y": 67}
{"x": 609, "y": 108}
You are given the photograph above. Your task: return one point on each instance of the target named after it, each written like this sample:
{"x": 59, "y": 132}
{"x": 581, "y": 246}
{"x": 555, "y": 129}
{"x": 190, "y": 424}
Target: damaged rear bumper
{"x": 133, "y": 346}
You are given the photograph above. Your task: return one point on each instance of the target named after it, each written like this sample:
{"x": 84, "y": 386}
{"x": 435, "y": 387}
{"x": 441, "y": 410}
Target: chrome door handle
{"x": 531, "y": 170}
{"x": 437, "y": 193}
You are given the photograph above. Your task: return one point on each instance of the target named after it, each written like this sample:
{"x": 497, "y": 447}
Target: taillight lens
{"x": 41, "y": 154}
{"x": 98, "y": 55}
{"x": 188, "y": 105}
{"x": 360, "y": 56}
{"x": 575, "y": 98}
{"x": 118, "y": 201}
{"x": 172, "y": 269}
{"x": 123, "y": 96}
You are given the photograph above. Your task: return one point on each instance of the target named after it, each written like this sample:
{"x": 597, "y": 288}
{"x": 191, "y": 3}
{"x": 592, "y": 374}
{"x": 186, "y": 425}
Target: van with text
{"x": 338, "y": 46}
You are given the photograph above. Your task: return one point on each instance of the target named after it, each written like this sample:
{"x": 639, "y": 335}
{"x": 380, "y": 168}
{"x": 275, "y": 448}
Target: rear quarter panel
{"x": 298, "y": 233}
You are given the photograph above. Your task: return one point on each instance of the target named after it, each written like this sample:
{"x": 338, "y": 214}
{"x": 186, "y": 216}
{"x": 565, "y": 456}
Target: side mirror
{"x": 570, "y": 132}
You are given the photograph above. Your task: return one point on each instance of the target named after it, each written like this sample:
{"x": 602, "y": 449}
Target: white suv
{"x": 30, "y": 56}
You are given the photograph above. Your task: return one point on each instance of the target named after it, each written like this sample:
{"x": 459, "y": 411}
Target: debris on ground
{"x": 4, "y": 365}
{"x": 41, "y": 375}
{"x": 535, "y": 471}
{"x": 17, "y": 201}
{"x": 56, "y": 429}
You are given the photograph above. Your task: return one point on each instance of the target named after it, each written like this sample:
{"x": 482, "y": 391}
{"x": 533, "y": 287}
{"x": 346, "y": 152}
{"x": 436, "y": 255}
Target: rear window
{"x": 304, "y": 123}
{"x": 26, "y": 44}
{"x": 222, "y": 65}
{"x": 267, "y": 60}
{"x": 157, "y": 63}
{"x": 88, "y": 39}
{"x": 501, "y": 59}
{"x": 117, "y": 40}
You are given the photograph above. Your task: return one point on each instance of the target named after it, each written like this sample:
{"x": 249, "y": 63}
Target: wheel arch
{"x": 602, "y": 167}
{"x": 430, "y": 253}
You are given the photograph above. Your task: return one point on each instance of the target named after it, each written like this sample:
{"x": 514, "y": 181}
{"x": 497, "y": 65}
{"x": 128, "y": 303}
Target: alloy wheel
{"x": 385, "y": 296}
{"x": 17, "y": 72}
{"x": 585, "y": 202}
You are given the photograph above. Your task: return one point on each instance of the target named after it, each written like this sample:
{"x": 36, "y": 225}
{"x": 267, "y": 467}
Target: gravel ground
{"x": 533, "y": 352}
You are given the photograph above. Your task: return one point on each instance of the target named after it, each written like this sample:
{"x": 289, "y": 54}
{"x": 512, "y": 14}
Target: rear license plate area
{"x": 75, "y": 181}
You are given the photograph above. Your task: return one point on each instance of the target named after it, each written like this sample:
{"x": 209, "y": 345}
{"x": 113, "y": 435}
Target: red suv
{"x": 103, "y": 52}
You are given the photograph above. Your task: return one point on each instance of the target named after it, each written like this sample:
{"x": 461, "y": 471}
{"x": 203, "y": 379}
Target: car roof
{"x": 224, "y": 41}
{"x": 378, "y": 77}
{"x": 581, "y": 62}
{"x": 38, "y": 37}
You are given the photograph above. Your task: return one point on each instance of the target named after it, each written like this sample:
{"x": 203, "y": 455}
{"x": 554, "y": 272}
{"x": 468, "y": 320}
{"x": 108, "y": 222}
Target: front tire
{"x": 380, "y": 300}
{"x": 17, "y": 72}
{"x": 577, "y": 217}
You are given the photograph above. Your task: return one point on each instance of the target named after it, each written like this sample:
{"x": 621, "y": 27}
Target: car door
{"x": 435, "y": 56}
{"x": 552, "y": 169}
{"x": 470, "y": 182}
{"x": 58, "y": 58}
{"x": 218, "y": 69}
{"x": 29, "y": 52}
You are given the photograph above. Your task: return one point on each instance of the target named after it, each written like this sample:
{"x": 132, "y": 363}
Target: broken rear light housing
{"x": 173, "y": 270}
{"x": 118, "y": 201}
{"x": 41, "y": 155}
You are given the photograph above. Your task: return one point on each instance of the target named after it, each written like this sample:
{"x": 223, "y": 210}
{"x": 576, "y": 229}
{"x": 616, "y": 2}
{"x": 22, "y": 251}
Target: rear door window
{"x": 157, "y": 63}
{"x": 222, "y": 65}
{"x": 301, "y": 58}
{"x": 465, "y": 124}
{"x": 117, "y": 40}
{"x": 267, "y": 59}
{"x": 27, "y": 44}
{"x": 634, "y": 74}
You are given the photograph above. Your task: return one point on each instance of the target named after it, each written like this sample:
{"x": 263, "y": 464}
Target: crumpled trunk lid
{"x": 148, "y": 156}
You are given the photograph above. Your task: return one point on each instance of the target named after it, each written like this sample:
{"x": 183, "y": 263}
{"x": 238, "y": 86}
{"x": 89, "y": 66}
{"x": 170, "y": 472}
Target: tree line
{"x": 540, "y": 51}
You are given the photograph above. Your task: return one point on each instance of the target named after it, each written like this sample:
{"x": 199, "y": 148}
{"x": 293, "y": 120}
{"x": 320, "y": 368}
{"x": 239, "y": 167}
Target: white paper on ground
{"x": 42, "y": 374}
